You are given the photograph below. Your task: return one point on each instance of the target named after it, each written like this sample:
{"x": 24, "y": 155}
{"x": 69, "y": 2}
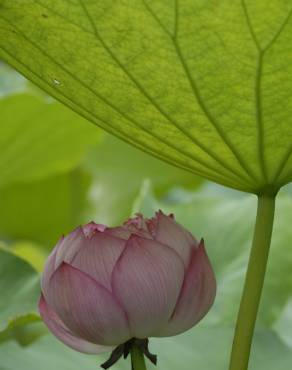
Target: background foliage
{"x": 57, "y": 170}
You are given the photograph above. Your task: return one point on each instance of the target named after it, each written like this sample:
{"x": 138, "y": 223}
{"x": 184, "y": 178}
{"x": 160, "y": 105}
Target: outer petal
{"x": 196, "y": 297}
{"x": 70, "y": 246}
{"x": 98, "y": 256}
{"x": 87, "y": 308}
{"x": 50, "y": 267}
{"x": 59, "y": 329}
{"x": 169, "y": 232}
{"x": 147, "y": 280}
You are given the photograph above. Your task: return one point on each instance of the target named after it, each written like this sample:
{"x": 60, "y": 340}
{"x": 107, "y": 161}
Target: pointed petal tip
{"x": 201, "y": 243}
{"x": 161, "y": 213}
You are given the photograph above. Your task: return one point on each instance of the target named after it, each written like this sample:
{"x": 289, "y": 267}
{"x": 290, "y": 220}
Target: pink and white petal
{"x": 70, "y": 246}
{"x": 147, "y": 280}
{"x": 169, "y": 232}
{"x": 50, "y": 267}
{"x": 196, "y": 297}
{"x": 59, "y": 329}
{"x": 98, "y": 256}
{"x": 87, "y": 308}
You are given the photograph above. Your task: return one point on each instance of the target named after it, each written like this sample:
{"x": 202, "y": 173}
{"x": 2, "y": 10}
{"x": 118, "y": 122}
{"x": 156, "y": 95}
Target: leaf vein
{"x": 279, "y": 32}
{"x": 208, "y": 114}
{"x": 196, "y": 93}
{"x": 137, "y": 124}
{"x": 258, "y": 97}
{"x": 152, "y": 101}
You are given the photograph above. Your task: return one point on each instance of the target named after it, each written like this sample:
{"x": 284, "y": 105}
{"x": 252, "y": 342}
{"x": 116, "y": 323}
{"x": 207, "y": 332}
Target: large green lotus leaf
{"x": 202, "y": 84}
{"x": 40, "y": 138}
{"x": 19, "y": 287}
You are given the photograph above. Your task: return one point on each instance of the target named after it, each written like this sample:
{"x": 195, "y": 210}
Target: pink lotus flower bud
{"x": 103, "y": 286}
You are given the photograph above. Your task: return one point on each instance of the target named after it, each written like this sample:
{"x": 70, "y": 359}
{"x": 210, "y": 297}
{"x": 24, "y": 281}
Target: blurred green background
{"x": 58, "y": 170}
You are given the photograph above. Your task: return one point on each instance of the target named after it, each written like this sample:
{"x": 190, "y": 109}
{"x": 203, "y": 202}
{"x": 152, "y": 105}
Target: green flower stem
{"x": 137, "y": 359}
{"x": 253, "y": 283}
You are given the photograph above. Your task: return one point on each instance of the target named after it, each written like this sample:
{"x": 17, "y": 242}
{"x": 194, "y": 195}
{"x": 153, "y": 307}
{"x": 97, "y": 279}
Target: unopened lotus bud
{"x": 104, "y": 286}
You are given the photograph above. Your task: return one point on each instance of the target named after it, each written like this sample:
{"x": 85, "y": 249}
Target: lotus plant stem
{"x": 137, "y": 359}
{"x": 253, "y": 283}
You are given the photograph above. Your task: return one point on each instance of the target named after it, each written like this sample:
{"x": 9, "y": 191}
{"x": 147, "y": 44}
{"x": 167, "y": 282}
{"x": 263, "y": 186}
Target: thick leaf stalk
{"x": 253, "y": 283}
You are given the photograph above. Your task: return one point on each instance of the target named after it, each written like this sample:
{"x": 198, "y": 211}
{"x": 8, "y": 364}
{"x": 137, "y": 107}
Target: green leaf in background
{"x": 31, "y": 252}
{"x": 204, "y": 85}
{"x": 43, "y": 192}
{"x": 41, "y": 211}
{"x": 24, "y": 332}
{"x": 39, "y": 138}
{"x": 205, "y": 348}
{"x": 118, "y": 171}
{"x": 20, "y": 289}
